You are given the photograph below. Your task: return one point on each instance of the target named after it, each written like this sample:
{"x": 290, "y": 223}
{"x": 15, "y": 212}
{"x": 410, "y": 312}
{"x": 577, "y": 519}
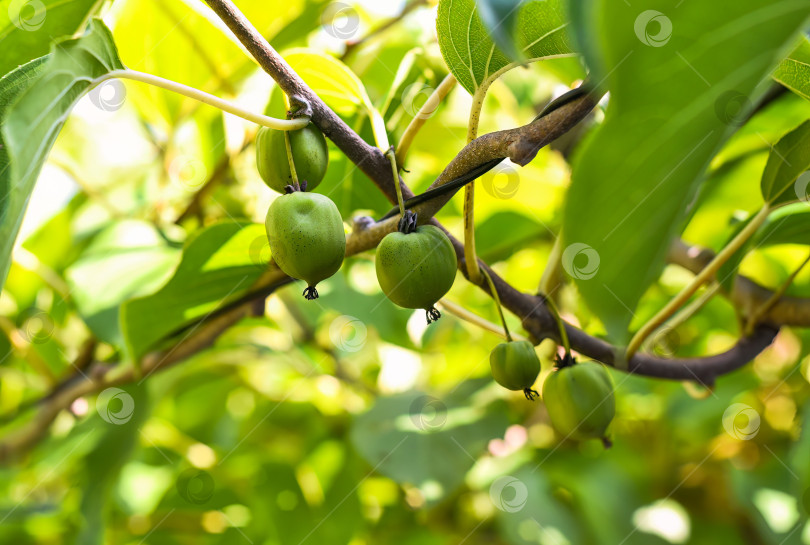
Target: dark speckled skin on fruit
{"x": 306, "y": 235}
{"x": 417, "y": 269}
{"x": 310, "y": 154}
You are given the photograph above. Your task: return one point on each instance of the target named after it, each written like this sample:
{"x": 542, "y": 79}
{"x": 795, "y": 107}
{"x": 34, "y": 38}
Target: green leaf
{"x": 427, "y": 442}
{"x": 472, "y": 56}
{"x": 219, "y": 264}
{"x": 11, "y": 86}
{"x": 504, "y": 233}
{"x": 337, "y": 85}
{"x": 34, "y": 119}
{"x": 794, "y": 70}
{"x": 783, "y": 180}
{"x": 127, "y": 260}
{"x": 32, "y": 26}
{"x": 500, "y": 19}
{"x": 679, "y": 78}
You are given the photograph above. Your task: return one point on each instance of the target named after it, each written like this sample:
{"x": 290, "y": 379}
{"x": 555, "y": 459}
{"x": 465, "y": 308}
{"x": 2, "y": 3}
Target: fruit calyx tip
{"x": 407, "y": 224}
{"x": 566, "y": 361}
{"x": 310, "y": 293}
{"x": 530, "y": 394}
{"x": 607, "y": 442}
{"x": 432, "y": 314}
{"x": 295, "y": 186}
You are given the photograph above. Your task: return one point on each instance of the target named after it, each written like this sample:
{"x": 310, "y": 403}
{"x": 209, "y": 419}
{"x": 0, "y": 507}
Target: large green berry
{"x": 515, "y": 366}
{"x": 306, "y": 235}
{"x": 309, "y": 152}
{"x": 415, "y": 270}
{"x": 580, "y": 401}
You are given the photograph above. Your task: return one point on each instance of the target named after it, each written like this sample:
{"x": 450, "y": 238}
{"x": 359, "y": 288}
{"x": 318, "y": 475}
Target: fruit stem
{"x": 473, "y": 270}
{"x": 206, "y": 98}
{"x": 423, "y": 115}
{"x": 290, "y": 160}
{"x": 560, "y": 324}
{"x": 498, "y": 304}
{"x": 392, "y": 158}
{"x": 701, "y": 278}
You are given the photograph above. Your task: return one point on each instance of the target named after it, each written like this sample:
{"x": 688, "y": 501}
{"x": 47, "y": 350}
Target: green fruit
{"x": 309, "y": 153}
{"x": 306, "y": 235}
{"x": 515, "y": 366}
{"x": 580, "y": 401}
{"x": 415, "y": 270}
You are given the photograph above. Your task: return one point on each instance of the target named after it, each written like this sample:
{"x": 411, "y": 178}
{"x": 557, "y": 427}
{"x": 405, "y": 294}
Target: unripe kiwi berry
{"x": 309, "y": 151}
{"x": 416, "y": 269}
{"x": 306, "y": 236}
{"x": 579, "y": 399}
{"x": 515, "y": 366}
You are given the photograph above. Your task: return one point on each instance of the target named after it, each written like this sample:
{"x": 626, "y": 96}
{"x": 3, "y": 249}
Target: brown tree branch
{"x": 520, "y": 145}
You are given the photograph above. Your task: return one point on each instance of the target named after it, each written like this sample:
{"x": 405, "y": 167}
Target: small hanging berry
{"x": 306, "y": 236}
{"x": 416, "y": 266}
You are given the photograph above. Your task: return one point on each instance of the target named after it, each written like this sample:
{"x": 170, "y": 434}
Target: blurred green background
{"x": 347, "y": 420}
